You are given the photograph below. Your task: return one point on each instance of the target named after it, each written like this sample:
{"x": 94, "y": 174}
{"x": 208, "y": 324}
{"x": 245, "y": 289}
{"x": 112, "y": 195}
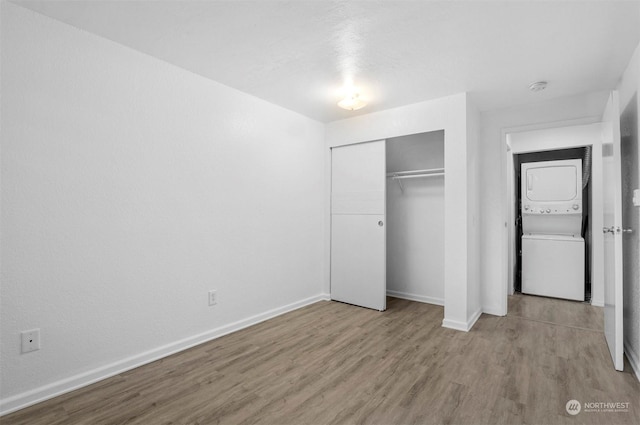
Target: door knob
{"x": 607, "y": 230}
{"x": 380, "y": 223}
{"x": 627, "y": 230}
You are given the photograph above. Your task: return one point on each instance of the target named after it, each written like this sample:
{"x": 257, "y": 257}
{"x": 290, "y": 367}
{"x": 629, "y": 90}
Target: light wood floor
{"x": 332, "y": 363}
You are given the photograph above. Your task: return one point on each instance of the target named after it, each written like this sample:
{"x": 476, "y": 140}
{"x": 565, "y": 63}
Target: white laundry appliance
{"x": 553, "y": 250}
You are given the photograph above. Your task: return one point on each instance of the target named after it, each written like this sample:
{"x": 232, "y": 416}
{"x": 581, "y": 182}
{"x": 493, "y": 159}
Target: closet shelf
{"x": 399, "y": 175}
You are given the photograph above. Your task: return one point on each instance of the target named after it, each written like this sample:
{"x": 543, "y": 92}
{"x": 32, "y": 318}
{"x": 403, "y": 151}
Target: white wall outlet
{"x": 213, "y": 297}
{"x": 30, "y": 340}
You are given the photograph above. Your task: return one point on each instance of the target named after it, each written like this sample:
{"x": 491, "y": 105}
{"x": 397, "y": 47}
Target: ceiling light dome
{"x": 538, "y": 86}
{"x": 352, "y": 102}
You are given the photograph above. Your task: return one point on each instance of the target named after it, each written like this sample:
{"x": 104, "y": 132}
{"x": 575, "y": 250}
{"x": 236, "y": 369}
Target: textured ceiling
{"x": 299, "y": 54}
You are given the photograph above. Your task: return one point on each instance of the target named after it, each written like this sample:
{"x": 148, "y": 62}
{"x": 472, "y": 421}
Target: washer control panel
{"x": 540, "y": 208}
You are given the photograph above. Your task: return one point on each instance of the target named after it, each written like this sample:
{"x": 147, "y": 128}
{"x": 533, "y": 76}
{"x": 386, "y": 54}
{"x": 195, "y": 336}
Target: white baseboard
{"x": 462, "y": 326}
{"x": 597, "y": 302}
{"x": 494, "y": 310}
{"x": 415, "y": 297}
{"x": 633, "y": 358}
{"x": 45, "y": 392}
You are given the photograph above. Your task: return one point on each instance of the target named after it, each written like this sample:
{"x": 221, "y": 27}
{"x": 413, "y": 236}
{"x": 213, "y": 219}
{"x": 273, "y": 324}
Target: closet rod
{"x": 398, "y": 176}
{"x": 413, "y": 176}
{"x": 417, "y": 173}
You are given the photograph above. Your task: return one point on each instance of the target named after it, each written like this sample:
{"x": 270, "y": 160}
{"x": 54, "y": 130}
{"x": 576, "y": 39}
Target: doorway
{"x": 415, "y": 217}
{"x": 582, "y": 154}
{"x": 573, "y": 135}
{"x": 395, "y": 184}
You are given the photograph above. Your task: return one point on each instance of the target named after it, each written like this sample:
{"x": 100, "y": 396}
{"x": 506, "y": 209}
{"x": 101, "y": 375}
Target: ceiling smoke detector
{"x": 538, "y": 86}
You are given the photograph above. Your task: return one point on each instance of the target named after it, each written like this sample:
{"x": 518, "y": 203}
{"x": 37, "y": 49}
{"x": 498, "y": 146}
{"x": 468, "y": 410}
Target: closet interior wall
{"x": 415, "y": 218}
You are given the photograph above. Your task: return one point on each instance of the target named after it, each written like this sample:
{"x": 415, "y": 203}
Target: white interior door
{"x": 612, "y": 229}
{"x": 358, "y": 245}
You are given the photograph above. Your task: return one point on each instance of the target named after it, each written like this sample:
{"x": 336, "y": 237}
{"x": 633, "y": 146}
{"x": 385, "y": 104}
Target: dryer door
{"x": 552, "y": 181}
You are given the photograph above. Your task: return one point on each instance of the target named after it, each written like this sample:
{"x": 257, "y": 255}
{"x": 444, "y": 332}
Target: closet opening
{"x": 415, "y": 217}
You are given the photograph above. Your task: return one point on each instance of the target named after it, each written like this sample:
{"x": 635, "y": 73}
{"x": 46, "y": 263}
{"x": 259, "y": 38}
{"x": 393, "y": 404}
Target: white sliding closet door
{"x": 358, "y": 245}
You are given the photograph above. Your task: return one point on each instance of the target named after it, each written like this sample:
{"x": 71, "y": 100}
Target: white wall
{"x": 448, "y": 114}
{"x": 474, "y": 302}
{"x": 415, "y": 219}
{"x": 581, "y": 109}
{"x": 130, "y": 188}
{"x": 628, "y": 87}
{"x": 565, "y": 137}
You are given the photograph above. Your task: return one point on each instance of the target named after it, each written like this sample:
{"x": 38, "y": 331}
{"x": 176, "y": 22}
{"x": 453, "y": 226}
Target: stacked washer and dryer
{"x": 553, "y": 250}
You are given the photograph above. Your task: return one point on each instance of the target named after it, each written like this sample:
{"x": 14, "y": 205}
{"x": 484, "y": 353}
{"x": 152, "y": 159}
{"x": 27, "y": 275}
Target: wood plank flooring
{"x": 332, "y": 363}
{"x": 561, "y": 312}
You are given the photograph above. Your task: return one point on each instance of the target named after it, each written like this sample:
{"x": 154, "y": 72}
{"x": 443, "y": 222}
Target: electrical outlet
{"x": 213, "y": 298}
{"x": 30, "y": 340}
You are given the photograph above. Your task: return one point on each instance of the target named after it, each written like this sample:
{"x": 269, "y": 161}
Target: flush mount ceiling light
{"x": 352, "y": 102}
{"x": 538, "y": 86}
